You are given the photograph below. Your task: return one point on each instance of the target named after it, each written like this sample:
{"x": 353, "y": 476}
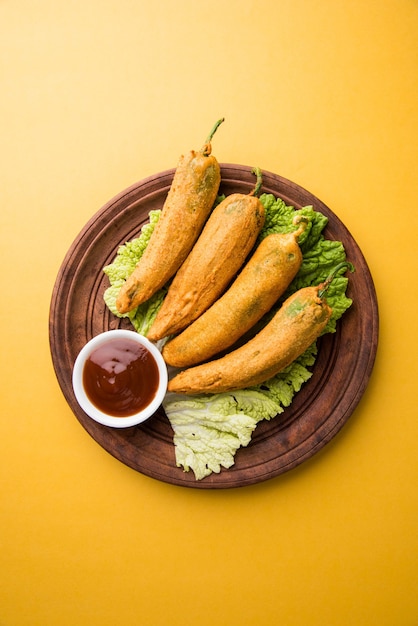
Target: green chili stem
{"x": 257, "y": 172}
{"x": 206, "y": 150}
{"x": 302, "y": 221}
{"x": 332, "y": 275}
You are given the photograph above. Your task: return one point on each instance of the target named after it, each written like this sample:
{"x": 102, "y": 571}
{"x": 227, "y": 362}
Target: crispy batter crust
{"x": 296, "y": 325}
{"x": 187, "y": 206}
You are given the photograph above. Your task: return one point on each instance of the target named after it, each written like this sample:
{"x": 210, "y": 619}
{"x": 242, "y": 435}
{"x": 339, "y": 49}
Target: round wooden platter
{"x": 317, "y": 413}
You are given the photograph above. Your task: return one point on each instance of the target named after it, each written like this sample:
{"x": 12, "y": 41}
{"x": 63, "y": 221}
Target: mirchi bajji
{"x": 189, "y": 201}
{"x": 297, "y": 324}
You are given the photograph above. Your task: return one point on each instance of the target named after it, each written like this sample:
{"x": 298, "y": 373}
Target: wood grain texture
{"x": 317, "y": 413}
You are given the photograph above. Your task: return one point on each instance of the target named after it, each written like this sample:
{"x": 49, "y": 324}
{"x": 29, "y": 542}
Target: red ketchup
{"x": 121, "y": 378}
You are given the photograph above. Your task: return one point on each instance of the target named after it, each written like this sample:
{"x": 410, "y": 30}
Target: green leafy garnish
{"x": 122, "y": 267}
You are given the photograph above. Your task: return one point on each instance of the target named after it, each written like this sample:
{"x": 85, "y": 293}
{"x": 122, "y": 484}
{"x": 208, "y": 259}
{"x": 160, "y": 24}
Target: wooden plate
{"x": 318, "y": 411}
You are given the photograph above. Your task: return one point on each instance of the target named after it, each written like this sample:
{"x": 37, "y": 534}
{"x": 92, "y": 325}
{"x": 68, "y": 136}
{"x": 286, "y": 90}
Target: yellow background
{"x": 95, "y": 96}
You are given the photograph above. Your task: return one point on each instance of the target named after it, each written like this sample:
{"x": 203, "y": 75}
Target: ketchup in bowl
{"x": 119, "y": 378}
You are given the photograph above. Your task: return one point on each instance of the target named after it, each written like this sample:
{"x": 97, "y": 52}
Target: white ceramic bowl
{"x": 108, "y": 339}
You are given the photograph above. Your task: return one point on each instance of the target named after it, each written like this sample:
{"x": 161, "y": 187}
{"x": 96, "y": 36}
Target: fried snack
{"x": 189, "y": 201}
{"x": 225, "y": 242}
{"x": 297, "y": 324}
{"x": 260, "y": 284}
